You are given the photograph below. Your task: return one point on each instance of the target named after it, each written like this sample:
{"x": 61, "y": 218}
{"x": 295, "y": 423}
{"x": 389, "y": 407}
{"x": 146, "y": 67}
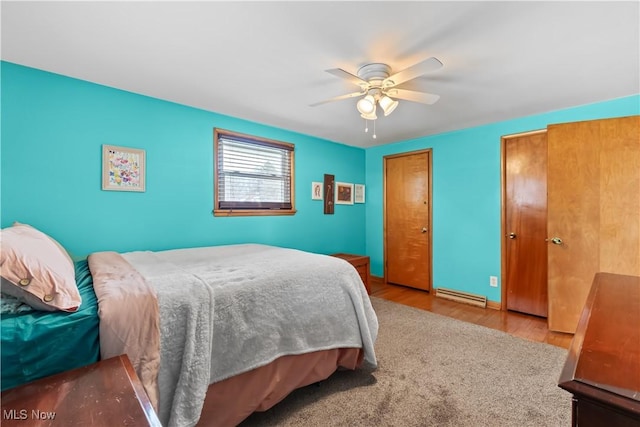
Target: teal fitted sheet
{"x": 37, "y": 344}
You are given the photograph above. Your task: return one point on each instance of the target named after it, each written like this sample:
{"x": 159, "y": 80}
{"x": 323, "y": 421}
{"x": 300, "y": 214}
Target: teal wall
{"x": 466, "y": 195}
{"x": 53, "y": 128}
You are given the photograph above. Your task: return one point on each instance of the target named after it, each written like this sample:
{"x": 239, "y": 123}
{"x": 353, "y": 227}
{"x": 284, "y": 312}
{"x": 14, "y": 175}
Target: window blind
{"x": 253, "y": 174}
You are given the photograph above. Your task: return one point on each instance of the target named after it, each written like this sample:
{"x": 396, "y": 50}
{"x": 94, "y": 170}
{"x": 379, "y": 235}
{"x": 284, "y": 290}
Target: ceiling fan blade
{"x": 412, "y": 72}
{"x": 339, "y": 72}
{"x": 410, "y": 95}
{"x": 338, "y": 98}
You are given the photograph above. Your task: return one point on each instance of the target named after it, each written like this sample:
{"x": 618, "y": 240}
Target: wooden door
{"x": 573, "y": 217}
{"x": 620, "y": 195}
{"x": 407, "y": 218}
{"x": 525, "y": 226}
{"x": 593, "y": 209}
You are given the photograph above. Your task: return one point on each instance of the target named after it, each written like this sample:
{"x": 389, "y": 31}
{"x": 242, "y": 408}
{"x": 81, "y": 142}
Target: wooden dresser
{"x": 107, "y": 393}
{"x": 361, "y": 263}
{"x": 602, "y": 370}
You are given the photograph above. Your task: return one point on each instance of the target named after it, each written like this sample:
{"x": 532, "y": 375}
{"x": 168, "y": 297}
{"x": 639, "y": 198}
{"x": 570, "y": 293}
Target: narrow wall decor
{"x": 328, "y": 192}
{"x": 123, "y": 169}
{"x": 358, "y": 196}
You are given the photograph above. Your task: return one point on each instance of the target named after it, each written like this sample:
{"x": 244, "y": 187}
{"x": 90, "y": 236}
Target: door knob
{"x": 512, "y": 235}
{"x": 424, "y": 230}
{"x": 555, "y": 240}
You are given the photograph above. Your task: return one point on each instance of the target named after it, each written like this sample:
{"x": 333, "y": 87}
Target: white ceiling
{"x": 264, "y": 61}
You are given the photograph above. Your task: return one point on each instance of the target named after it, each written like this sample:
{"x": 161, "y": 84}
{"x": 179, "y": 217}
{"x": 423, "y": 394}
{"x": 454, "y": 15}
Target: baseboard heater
{"x": 473, "y": 299}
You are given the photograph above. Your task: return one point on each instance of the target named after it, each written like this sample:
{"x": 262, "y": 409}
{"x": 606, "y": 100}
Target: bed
{"x": 28, "y": 335}
{"x": 216, "y": 333}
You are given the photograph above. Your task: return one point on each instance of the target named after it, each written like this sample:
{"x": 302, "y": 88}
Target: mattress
{"x": 36, "y": 344}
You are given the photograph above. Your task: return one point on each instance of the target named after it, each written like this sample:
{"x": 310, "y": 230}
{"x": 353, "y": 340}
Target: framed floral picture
{"x": 123, "y": 169}
{"x": 344, "y": 193}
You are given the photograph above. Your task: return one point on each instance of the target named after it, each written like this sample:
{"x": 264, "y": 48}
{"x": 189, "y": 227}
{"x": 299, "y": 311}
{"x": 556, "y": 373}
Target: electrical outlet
{"x": 493, "y": 281}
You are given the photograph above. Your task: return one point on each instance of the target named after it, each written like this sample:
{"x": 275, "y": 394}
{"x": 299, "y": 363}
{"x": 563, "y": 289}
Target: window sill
{"x": 253, "y": 212}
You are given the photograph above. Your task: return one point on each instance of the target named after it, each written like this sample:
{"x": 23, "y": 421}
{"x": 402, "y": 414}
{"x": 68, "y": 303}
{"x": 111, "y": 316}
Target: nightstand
{"x": 361, "y": 263}
{"x": 107, "y": 393}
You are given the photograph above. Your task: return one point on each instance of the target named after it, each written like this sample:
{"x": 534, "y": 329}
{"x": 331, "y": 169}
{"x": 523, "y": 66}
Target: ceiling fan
{"x": 378, "y": 86}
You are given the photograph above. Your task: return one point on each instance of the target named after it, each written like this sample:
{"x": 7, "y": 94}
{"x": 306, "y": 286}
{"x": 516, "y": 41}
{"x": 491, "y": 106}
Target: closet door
{"x": 593, "y": 210}
{"x": 525, "y": 226}
{"x": 620, "y": 196}
{"x": 573, "y": 218}
{"x": 407, "y": 219}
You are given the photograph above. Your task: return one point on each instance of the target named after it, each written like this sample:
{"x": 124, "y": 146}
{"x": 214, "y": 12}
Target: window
{"x": 253, "y": 176}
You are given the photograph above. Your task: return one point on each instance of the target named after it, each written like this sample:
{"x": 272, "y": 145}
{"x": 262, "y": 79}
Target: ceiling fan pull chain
{"x": 366, "y": 126}
{"x": 374, "y": 129}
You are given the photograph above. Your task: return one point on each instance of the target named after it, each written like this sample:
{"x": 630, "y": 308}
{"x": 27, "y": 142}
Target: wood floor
{"x": 521, "y": 325}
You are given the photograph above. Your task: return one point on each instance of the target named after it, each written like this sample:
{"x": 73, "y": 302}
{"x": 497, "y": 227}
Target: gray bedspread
{"x": 225, "y": 310}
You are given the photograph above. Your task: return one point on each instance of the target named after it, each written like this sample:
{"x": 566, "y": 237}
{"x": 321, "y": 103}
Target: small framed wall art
{"x": 123, "y": 168}
{"x": 316, "y": 191}
{"x": 344, "y": 193}
{"x": 358, "y": 193}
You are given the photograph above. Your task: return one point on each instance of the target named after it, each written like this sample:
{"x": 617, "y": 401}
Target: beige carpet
{"x": 435, "y": 371}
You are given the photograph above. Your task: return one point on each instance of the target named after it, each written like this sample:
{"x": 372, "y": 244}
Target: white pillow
{"x": 37, "y": 270}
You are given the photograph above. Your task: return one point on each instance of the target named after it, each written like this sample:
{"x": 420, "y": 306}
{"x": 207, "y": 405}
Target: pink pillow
{"x": 37, "y": 270}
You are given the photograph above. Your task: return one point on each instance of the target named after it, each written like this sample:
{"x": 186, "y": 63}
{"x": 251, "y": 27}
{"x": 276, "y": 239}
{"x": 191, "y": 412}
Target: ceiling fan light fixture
{"x": 366, "y": 105}
{"x": 387, "y": 104}
{"x": 371, "y": 115}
